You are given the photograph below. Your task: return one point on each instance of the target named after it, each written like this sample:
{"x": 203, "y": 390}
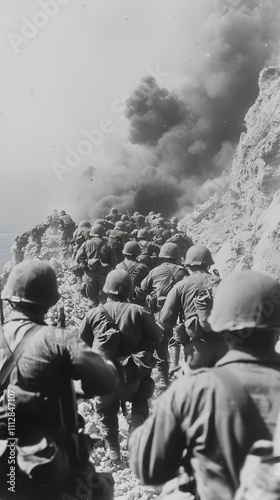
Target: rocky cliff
{"x": 242, "y": 226}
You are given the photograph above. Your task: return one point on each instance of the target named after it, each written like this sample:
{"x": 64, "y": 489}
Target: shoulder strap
{"x": 11, "y": 362}
{"x": 118, "y": 316}
{"x": 249, "y": 412}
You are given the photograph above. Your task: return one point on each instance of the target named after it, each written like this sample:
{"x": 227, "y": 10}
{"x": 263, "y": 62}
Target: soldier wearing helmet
{"x": 149, "y": 250}
{"x": 67, "y": 227}
{"x": 158, "y": 230}
{"x": 113, "y": 216}
{"x": 156, "y": 286}
{"x": 50, "y": 451}
{"x": 96, "y": 258}
{"x": 80, "y": 235}
{"x": 137, "y": 270}
{"x": 193, "y": 297}
{"x": 127, "y": 332}
{"x": 212, "y": 417}
{"x": 117, "y": 237}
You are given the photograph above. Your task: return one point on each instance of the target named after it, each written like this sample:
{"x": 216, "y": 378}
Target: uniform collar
{"x": 236, "y": 356}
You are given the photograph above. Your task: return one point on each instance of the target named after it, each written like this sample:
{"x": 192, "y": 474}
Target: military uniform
{"x": 139, "y": 333}
{"x": 50, "y": 447}
{"x": 94, "y": 279}
{"x": 202, "y": 349}
{"x": 196, "y": 424}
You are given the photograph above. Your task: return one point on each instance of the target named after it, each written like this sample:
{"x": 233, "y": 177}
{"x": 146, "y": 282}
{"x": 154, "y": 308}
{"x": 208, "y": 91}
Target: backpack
{"x": 197, "y": 325}
{"x": 94, "y": 260}
{"x": 166, "y": 286}
{"x": 138, "y": 294}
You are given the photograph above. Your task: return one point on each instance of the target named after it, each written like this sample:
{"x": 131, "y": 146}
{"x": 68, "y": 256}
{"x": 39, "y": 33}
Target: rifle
{"x": 2, "y": 319}
{"x": 61, "y": 314}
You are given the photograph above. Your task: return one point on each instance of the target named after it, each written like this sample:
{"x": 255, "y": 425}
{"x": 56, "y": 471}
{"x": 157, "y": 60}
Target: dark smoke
{"x": 181, "y": 139}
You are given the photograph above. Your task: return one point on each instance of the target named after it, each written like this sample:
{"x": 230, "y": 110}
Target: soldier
{"x": 96, "y": 258}
{"x": 149, "y": 250}
{"x": 182, "y": 241}
{"x": 67, "y": 226}
{"x": 53, "y": 222}
{"x": 113, "y": 216}
{"x": 193, "y": 298}
{"x": 18, "y": 247}
{"x": 50, "y": 452}
{"x": 137, "y": 270}
{"x": 158, "y": 284}
{"x": 212, "y": 417}
{"x": 117, "y": 237}
{"x": 80, "y": 235}
{"x": 131, "y": 335}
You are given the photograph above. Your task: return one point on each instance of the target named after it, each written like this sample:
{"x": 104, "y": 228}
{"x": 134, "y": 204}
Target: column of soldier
{"x": 158, "y": 307}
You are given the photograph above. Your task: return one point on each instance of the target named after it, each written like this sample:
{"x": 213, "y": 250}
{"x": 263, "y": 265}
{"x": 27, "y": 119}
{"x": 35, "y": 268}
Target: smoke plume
{"x": 181, "y": 139}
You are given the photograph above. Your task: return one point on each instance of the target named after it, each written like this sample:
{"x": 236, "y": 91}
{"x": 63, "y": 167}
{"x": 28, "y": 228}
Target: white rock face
{"x": 245, "y": 227}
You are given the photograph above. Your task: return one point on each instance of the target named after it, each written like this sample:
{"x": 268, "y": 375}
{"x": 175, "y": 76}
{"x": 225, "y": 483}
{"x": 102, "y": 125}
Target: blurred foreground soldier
{"x": 157, "y": 285}
{"x": 126, "y": 333}
{"x": 192, "y": 299}
{"x": 137, "y": 270}
{"x": 208, "y": 419}
{"x": 44, "y": 454}
{"x": 96, "y": 258}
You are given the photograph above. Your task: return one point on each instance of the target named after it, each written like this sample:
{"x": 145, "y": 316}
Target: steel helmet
{"x": 114, "y": 211}
{"x": 97, "y": 230}
{"x": 174, "y": 220}
{"x": 197, "y": 255}
{"x": 62, "y": 212}
{"x": 124, "y": 217}
{"x": 143, "y": 234}
{"x": 132, "y": 248}
{"x": 118, "y": 282}
{"x": 32, "y": 282}
{"x": 246, "y": 299}
{"x": 99, "y": 221}
{"x": 169, "y": 251}
{"x": 120, "y": 225}
{"x": 160, "y": 222}
{"x": 84, "y": 223}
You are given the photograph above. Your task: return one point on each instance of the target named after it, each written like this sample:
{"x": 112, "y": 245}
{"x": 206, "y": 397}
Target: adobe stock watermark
{"x": 94, "y": 137}
{"x": 40, "y": 19}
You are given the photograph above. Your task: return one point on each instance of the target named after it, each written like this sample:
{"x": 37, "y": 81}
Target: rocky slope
{"x": 243, "y": 225}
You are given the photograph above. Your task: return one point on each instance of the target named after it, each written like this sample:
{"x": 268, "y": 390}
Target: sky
{"x": 137, "y": 105}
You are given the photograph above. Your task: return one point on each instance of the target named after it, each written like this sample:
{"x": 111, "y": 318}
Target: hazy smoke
{"x": 181, "y": 139}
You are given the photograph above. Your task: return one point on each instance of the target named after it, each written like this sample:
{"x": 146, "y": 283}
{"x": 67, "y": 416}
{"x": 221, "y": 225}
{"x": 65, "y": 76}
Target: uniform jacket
{"x": 136, "y": 324}
{"x": 52, "y": 358}
{"x": 159, "y": 274}
{"x": 182, "y": 297}
{"x": 107, "y": 254}
{"x": 137, "y": 270}
{"x": 197, "y": 423}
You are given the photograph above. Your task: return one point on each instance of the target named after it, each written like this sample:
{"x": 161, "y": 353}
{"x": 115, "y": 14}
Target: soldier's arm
{"x": 151, "y": 330}
{"x": 147, "y": 284}
{"x": 98, "y": 375}
{"x": 170, "y": 311}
